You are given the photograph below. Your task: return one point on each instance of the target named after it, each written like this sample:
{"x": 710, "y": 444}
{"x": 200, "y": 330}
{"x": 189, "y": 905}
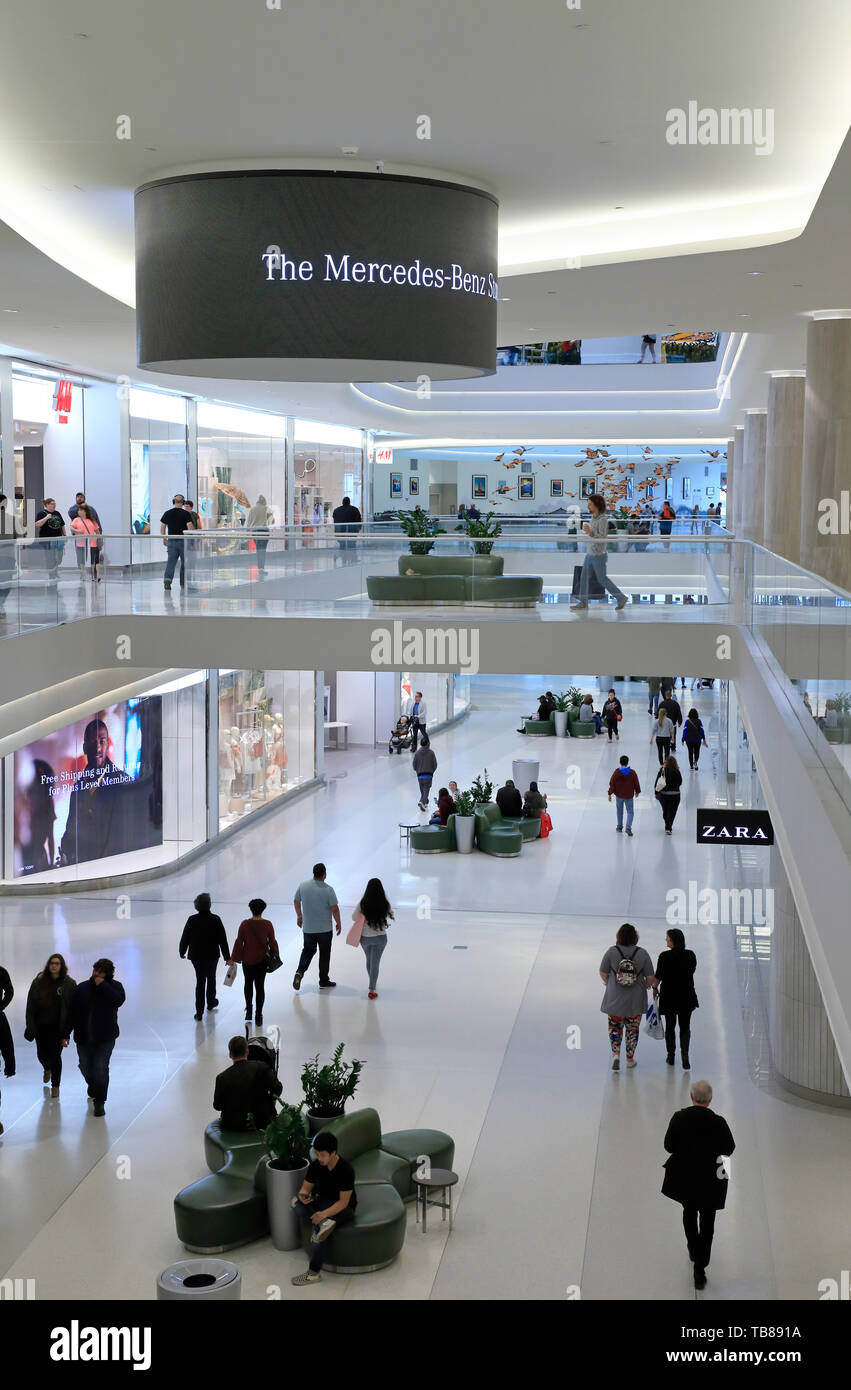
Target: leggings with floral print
{"x": 616, "y": 1027}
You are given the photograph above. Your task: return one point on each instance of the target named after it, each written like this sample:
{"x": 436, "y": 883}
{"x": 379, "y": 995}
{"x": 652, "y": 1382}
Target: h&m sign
{"x": 721, "y": 825}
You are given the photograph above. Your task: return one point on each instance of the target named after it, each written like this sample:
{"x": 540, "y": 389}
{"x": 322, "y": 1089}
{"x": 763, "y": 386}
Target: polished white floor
{"x": 560, "y": 1160}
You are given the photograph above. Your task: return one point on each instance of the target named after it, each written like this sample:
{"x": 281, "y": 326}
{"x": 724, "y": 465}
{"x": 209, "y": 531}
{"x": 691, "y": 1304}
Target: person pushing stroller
{"x": 400, "y": 737}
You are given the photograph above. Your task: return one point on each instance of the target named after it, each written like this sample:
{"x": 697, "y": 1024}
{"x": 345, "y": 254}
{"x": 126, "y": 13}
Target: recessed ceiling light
{"x": 154, "y": 149}
{"x": 580, "y": 26}
{"x": 744, "y": 316}
{"x": 506, "y": 299}
{"x": 11, "y": 311}
{"x": 82, "y": 36}
{"x": 619, "y": 207}
{"x": 605, "y": 142}
{"x": 552, "y": 291}
{"x": 794, "y": 287}
{"x": 756, "y": 272}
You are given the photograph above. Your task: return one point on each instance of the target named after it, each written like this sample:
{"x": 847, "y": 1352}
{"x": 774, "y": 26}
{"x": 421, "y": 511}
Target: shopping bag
{"x": 230, "y": 975}
{"x": 653, "y": 1025}
{"x": 546, "y": 824}
{"x": 354, "y": 932}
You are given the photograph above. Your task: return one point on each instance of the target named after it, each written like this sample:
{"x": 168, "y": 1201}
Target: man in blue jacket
{"x": 93, "y": 1020}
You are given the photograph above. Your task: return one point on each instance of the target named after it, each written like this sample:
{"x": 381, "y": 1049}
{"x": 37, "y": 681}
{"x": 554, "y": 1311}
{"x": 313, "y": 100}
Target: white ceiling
{"x": 562, "y": 112}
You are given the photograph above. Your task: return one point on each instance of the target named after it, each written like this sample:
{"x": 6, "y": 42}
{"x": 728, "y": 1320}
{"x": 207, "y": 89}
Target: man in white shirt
{"x": 417, "y": 713}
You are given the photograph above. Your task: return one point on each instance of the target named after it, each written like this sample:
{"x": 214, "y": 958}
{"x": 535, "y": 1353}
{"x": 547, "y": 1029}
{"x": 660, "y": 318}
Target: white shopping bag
{"x": 653, "y": 1025}
{"x": 230, "y": 975}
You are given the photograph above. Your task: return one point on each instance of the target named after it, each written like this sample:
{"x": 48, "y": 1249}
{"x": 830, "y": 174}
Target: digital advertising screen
{"x": 311, "y": 275}
{"x": 91, "y": 790}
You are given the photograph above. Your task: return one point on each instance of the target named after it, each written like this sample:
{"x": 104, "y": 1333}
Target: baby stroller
{"x": 400, "y": 737}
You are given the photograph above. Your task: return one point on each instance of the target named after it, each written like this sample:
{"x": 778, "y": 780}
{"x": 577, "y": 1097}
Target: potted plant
{"x": 574, "y": 695}
{"x": 420, "y": 528}
{"x": 465, "y": 822}
{"x": 482, "y": 533}
{"x": 842, "y": 705}
{"x": 482, "y": 790}
{"x": 326, "y": 1089}
{"x": 563, "y": 705}
{"x": 288, "y": 1149}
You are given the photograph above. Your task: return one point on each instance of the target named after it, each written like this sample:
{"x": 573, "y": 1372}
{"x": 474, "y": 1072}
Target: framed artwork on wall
{"x": 556, "y": 487}
{"x": 587, "y": 486}
{"x": 686, "y": 489}
{"x": 629, "y": 494}
{"x": 413, "y": 487}
{"x": 669, "y": 489}
{"x": 480, "y": 486}
{"x": 395, "y": 484}
{"x": 710, "y": 492}
{"x": 526, "y": 488}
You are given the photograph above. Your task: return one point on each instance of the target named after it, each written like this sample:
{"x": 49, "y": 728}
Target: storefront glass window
{"x": 241, "y": 458}
{"x": 159, "y": 463}
{"x": 267, "y": 738}
{"x": 435, "y": 690}
{"x": 328, "y": 466}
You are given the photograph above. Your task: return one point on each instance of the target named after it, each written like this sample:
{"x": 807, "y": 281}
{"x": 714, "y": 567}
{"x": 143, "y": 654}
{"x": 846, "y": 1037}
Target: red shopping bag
{"x": 546, "y": 824}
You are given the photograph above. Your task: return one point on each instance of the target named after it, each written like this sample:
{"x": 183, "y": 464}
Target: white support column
{"x": 7, "y": 432}
{"x": 826, "y": 483}
{"x": 741, "y": 482}
{"x": 753, "y": 476}
{"x": 784, "y": 461}
{"x": 732, "y": 729}
{"x": 192, "y": 451}
{"x": 320, "y": 721}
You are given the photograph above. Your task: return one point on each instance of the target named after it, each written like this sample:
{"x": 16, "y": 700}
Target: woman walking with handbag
{"x": 371, "y": 918}
{"x": 693, "y": 738}
{"x": 626, "y": 970}
{"x": 667, "y": 786}
{"x": 255, "y": 941}
{"x": 675, "y": 990}
{"x": 663, "y": 732}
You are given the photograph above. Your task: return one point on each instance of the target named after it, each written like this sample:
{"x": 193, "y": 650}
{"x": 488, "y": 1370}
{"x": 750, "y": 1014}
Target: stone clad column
{"x": 752, "y": 475}
{"x": 784, "y": 462}
{"x": 827, "y": 448}
{"x": 731, "y": 487}
{"x": 739, "y": 491}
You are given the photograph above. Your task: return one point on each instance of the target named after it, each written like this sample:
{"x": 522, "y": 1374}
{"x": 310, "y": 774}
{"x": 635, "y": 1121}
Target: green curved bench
{"x": 433, "y": 839}
{"x": 373, "y": 1239}
{"x": 832, "y": 735}
{"x": 496, "y": 836}
{"x": 228, "y": 1207}
{"x": 454, "y": 579}
{"x": 358, "y": 1137}
{"x": 540, "y": 728}
{"x": 529, "y": 826}
{"x": 586, "y": 729}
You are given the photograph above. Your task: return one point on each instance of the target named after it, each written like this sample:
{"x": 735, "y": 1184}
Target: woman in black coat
{"x": 667, "y": 790}
{"x": 675, "y": 991}
{"x": 202, "y": 940}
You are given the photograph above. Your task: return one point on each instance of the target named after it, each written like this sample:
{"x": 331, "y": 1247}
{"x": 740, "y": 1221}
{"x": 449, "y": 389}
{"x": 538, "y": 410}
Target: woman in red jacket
{"x": 254, "y": 940}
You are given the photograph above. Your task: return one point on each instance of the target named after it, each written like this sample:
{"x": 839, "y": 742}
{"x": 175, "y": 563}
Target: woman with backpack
{"x": 377, "y": 915}
{"x": 666, "y": 788}
{"x": 626, "y": 970}
{"x": 693, "y": 737}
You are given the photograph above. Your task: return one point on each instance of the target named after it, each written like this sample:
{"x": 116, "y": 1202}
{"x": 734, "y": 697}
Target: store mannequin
{"x": 236, "y": 803}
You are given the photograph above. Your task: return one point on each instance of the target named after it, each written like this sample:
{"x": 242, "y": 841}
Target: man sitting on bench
{"x": 244, "y": 1093}
{"x": 326, "y": 1199}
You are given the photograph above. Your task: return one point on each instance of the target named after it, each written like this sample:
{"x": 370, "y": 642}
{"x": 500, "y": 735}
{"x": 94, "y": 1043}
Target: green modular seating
{"x": 375, "y": 1236}
{"x": 454, "y": 579}
{"x": 833, "y": 735}
{"x": 228, "y": 1207}
{"x": 540, "y": 728}
{"x": 496, "y": 836}
{"x": 529, "y": 826}
{"x": 434, "y": 839}
{"x": 359, "y": 1142}
{"x": 482, "y": 566}
{"x": 580, "y": 729}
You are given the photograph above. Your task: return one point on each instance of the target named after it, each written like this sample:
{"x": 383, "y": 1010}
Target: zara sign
{"x": 717, "y": 825}
{"x": 313, "y": 275}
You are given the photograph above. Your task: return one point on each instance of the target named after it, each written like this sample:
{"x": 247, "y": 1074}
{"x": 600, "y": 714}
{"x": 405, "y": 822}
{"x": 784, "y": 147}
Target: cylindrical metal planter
{"x": 207, "y": 1279}
{"x": 465, "y": 830}
{"x": 524, "y": 771}
{"x": 282, "y": 1184}
{"x": 560, "y": 721}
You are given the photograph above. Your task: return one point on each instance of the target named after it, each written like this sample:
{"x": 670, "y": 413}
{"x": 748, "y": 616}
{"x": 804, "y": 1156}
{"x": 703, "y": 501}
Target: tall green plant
{"x": 482, "y": 533}
{"x": 574, "y": 695}
{"x": 326, "y": 1089}
{"x": 418, "y": 524}
{"x": 482, "y": 789}
{"x": 563, "y": 701}
{"x": 286, "y": 1137}
{"x": 465, "y": 804}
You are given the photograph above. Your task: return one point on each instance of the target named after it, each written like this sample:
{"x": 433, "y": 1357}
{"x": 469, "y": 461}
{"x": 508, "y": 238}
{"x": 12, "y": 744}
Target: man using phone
{"x": 93, "y": 1021}
{"x": 326, "y": 1200}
